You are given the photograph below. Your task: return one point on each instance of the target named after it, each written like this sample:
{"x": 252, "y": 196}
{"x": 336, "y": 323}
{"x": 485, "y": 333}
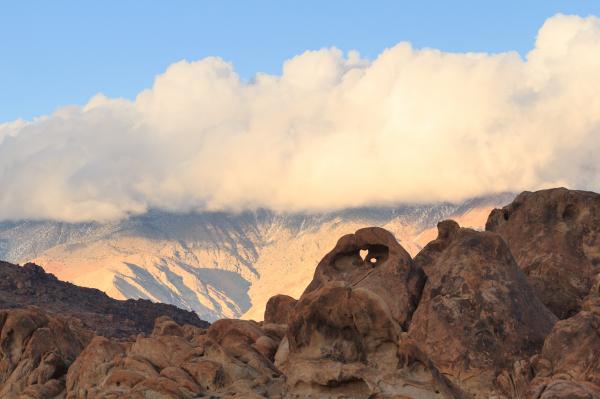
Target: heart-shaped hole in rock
{"x": 363, "y": 253}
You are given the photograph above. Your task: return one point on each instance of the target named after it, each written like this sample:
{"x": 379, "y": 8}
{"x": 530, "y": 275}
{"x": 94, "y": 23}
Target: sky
{"x": 110, "y": 110}
{"x": 54, "y": 53}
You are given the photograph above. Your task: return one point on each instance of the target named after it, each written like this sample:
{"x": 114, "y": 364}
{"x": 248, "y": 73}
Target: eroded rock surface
{"x": 462, "y": 320}
{"x": 36, "y": 350}
{"x": 178, "y": 362}
{"x": 347, "y": 334}
{"x": 477, "y": 314}
{"x": 279, "y": 309}
{"x": 554, "y": 236}
{"x": 372, "y": 259}
{"x": 569, "y": 364}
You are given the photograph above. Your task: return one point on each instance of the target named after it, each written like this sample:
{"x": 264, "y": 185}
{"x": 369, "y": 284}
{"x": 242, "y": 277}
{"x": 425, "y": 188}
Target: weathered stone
{"x": 477, "y": 314}
{"x": 554, "y": 236}
{"x": 279, "y": 308}
{"x": 386, "y": 270}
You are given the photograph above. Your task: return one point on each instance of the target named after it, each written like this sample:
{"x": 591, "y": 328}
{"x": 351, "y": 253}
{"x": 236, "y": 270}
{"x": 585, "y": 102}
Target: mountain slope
{"x": 217, "y": 264}
{"x": 30, "y": 286}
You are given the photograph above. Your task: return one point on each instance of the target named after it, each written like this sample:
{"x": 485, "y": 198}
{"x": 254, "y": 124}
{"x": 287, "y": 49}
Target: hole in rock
{"x": 363, "y": 254}
{"x": 357, "y": 258}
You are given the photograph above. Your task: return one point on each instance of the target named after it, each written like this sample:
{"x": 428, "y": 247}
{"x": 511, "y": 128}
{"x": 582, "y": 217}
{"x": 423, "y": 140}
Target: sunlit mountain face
{"x": 217, "y": 264}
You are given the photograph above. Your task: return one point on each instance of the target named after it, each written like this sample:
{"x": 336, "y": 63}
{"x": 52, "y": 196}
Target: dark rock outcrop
{"x": 554, "y": 236}
{"x": 31, "y": 286}
{"x": 477, "y": 314}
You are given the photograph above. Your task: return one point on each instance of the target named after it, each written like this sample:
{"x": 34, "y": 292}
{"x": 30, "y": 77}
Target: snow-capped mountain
{"x": 218, "y": 264}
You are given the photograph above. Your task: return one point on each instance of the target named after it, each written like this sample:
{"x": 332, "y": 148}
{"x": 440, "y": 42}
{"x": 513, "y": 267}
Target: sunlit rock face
{"x": 217, "y": 264}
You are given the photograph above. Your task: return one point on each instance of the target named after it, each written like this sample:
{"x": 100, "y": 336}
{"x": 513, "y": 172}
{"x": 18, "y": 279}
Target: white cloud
{"x": 332, "y": 131}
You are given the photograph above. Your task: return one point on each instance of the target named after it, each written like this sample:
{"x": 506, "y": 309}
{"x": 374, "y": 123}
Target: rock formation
{"x": 554, "y": 236}
{"x": 178, "y": 362}
{"x": 477, "y": 314}
{"x": 465, "y": 319}
{"x": 36, "y": 350}
{"x": 279, "y": 309}
{"x": 30, "y": 285}
{"x": 373, "y": 260}
{"x": 347, "y": 334}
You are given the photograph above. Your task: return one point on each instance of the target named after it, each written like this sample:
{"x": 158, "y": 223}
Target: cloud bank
{"x": 334, "y": 130}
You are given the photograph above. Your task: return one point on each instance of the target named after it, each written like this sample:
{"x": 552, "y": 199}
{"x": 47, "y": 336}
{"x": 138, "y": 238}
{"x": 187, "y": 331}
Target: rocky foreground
{"x": 512, "y": 312}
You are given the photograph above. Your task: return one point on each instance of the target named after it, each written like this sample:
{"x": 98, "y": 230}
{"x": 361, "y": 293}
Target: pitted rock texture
{"x": 569, "y": 365}
{"x": 180, "y": 362}
{"x": 343, "y": 342}
{"x": 346, "y": 336}
{"x": 554, "y": 236}
{"x": 477, "y": 314}
{"x": 36, "y": 350}
{"x": 372, "y": 259}
{"x": 31, "y": 286}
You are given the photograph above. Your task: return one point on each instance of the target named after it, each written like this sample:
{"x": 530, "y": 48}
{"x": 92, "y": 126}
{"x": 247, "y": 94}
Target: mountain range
{"x": 219, "y": 264}
{"x": 509, "y": 312}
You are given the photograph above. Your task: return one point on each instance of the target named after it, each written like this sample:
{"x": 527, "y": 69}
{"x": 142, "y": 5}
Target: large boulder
{"x": 343, "y": 342}
{"x": 347, "y": 334}
{"x": 372, "y": 259}
{"x": 554, "y": 236}
{"x": 36, "y": 349}
{"x": 570, "y": 359}
{"x": 568, "y": 366}
{"x": 477, "y": 314}
{"x": 279, "y": 308}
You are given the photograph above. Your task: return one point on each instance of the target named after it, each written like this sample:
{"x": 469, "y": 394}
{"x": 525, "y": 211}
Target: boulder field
{"x": 510, "y": 312}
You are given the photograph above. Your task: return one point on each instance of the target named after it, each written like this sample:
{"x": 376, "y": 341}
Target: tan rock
{"x": 36, "y": 350}
{"x": 279, "y": 308}
{"x": 386, "y": 270}
{"x": 176, "y": 362}
{"x": 346, "y": 336}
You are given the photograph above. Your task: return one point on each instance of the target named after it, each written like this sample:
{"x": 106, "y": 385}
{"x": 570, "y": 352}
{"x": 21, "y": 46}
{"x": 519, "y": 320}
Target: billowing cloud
{"x": 334, "y": 130}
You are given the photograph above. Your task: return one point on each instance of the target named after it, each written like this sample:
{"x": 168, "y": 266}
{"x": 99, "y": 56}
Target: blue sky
{"x": 54, "y": 53}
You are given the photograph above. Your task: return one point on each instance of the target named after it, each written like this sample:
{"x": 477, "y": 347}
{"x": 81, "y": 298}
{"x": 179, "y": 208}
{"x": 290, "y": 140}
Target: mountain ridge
{"x": 218, "y": 264}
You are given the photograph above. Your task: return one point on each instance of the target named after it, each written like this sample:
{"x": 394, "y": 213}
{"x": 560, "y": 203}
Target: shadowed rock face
{"x": 31, "y": 286}
{"x": 567, "y": 367}
{"x": 554, "y": 236}
{"x": 477, "y": 314}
